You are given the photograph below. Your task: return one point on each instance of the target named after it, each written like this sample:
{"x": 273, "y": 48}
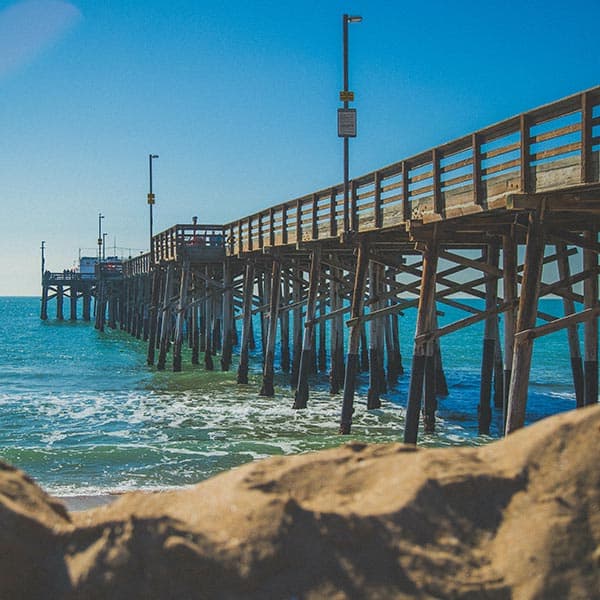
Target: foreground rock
{"x": 519, "y": 518}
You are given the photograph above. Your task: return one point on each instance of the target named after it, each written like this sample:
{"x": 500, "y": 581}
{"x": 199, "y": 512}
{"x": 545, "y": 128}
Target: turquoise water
{"x": 82, "y": 413}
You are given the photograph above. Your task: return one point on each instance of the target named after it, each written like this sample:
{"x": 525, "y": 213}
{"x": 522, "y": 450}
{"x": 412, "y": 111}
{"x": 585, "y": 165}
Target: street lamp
{"x": 151, "y": 201}
{"x": 100, "y": 217}
{"x": 347, "y": 118}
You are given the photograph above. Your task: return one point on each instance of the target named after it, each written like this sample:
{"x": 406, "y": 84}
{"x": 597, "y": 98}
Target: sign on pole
{"x": 150, "y": 198}
{"x": 346, "y": 122}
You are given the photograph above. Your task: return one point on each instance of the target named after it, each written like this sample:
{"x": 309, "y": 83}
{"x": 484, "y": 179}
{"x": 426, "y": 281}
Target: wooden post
{"x": 228, "y": 326}
{"x": 426, "y": 300}
{"x": 356, "y": 328}
{"x": 564, "y": 272}
{"x": 432, "y": 358}
{"x": 301, "y": 395}
{"x": 242, "y": 373}
{"x": 284, "y": 323}
{"x": 87, "y": 304}
{"x": 590, "y": 328}
{"x": 73, "y": 303}
{"x": 165, "y": 328}
{"x": 208, "y": 325}
{"x": 44, "y": 307}
{"x": 112, "y": 306}
{"x": 336, "y": 335}
{"x": 373, "y": 393}
{"x": 489, "y": 344}
{"x": 528, "y": 306}
{"x": 180, "y": 317}
{"x": 509, "y": 282}
{"x": 59, "y": 302}
{"x": 268, "y": 388}
{"x": 297, "y": 325}
{"x": 364, "y": 350}
{"x": 322, "y": 351}
{"x": 153, "y": 314}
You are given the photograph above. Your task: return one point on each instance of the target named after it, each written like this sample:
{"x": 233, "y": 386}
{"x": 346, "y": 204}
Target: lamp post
{"x": 100, "y": 217}
{"x": 347, "y": 118}
{"x": 151, "y": 202}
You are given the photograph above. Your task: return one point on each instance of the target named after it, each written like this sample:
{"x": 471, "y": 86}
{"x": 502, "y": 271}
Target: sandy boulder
{"x": 519, "y": 518}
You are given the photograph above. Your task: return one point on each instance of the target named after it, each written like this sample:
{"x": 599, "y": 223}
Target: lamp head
{"x": 354, "y": 19}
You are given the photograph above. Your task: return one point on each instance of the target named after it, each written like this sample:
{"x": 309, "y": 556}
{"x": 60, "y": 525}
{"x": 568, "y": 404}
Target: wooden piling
{"x": 153, "y": 315}
{"x": 426, "y": 301}
{"x": 356, "y": 328}
{"x": 564, "y": 272}
{"x": 59, "y": 302}
{"x": 284, "y": 323}
{"x": 228, "y": 323}
{"x": 375, "y": 366}
{"x": 528, "y": 306}
{"x": 590, "y": 328}
{"x": 268, "y": 388}
{"x": 180, "y": 315}
{"x": 44, "y": 307}
{"x": 248, "y": 292}
{"x": 306, "y": 356}
{"x": 73, "y": 303}
{"x": 509, "y": 283}
{"x": 165, "y": 329}
{"x": 489, "y": 343}
{"x": 297, "y": 323}
{"x": 336, "y": 332}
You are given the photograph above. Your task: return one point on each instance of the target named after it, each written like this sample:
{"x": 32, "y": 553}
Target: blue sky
{"x": 239, "y": 100}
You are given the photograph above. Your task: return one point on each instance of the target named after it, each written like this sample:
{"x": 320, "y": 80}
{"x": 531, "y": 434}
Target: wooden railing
{"x": 138, "y": 265}
{"x": 169, "y": 244}
{"x": 552, "y": 147}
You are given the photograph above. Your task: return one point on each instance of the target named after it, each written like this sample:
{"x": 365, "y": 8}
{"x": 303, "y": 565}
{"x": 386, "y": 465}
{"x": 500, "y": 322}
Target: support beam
{"x": 180, "y": 316}
{"x": 242, "y": 373}
{"x": 422, "y": 349}
{"x": 306, "y": 357}
{"x": 268, "y": 388}
{"x": 528, "y": 304}
{"x": 358, "y": 298}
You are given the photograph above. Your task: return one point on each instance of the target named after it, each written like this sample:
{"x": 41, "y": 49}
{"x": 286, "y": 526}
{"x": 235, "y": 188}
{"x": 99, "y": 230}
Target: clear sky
{"x": 239, "y": 99}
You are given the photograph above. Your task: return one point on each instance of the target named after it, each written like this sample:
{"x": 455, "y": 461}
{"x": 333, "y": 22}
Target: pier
{"x": 508, "y": 215}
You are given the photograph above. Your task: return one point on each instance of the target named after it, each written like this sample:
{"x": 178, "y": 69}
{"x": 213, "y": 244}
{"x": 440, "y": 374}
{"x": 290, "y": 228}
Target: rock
{"x": 519, "y": 518}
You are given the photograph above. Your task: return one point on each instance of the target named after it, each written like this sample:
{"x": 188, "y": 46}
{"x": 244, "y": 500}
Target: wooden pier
{"x": 507, "y": 215}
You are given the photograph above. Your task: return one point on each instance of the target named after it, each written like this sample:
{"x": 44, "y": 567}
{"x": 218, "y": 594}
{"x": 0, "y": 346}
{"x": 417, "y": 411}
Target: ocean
{"x": 82, "y": 413}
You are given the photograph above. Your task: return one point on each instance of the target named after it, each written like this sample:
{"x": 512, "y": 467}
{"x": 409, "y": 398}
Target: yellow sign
{"x": 346, "y": 96}
{"x": 150, "y": 198}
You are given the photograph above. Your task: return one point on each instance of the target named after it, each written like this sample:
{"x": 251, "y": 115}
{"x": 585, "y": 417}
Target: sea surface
{"x": 83, "y": 414}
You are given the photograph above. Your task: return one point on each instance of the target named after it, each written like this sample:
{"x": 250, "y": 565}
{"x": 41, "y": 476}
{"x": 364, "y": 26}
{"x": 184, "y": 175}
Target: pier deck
{"x": 508, "y": 215}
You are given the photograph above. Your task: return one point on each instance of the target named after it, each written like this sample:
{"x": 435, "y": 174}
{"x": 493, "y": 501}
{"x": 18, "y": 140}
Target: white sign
{"x": 346, "y": 122}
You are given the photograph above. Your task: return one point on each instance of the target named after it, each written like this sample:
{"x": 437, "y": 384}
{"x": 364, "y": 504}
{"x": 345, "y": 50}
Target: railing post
{"x": 284, "y": 224}
{"x": 525, "y": 142}
{"x": 332, "y": 213}
{"x": 476, "y": 145}
{"x": 438, "y": 207}
{"x": 298, "y": 220}
{"x": 354, "y": 206}
{"x": 586, "y": 138}
{"x": 271, "y": 227}
{"x": 406, "y": 211}
{"x": 377, "y": 200}
{"x": 315, "y": 217}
